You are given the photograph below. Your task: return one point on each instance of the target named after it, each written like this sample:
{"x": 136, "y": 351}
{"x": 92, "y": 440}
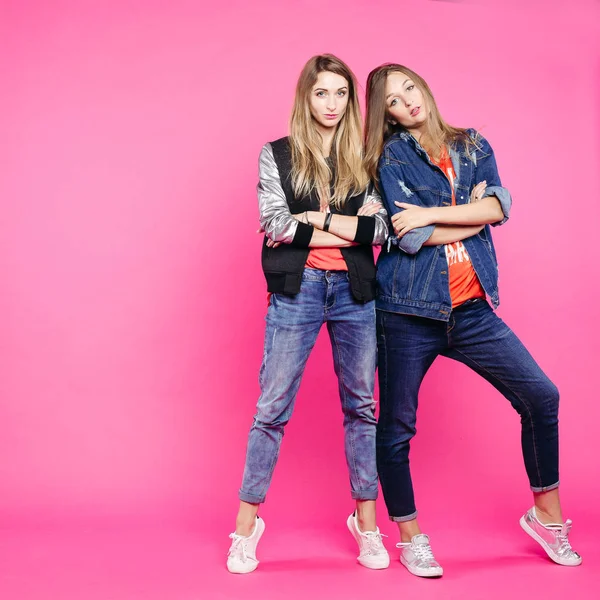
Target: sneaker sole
{"x": 557, "y": 559}
{"x": 245, "y": 571}
{"x": 259, "y": 533}
{"x": 420, "y": 573}
{"x": 365, "y": 563}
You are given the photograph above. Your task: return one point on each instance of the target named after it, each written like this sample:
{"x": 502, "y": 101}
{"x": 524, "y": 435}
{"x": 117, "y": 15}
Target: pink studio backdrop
{"x": 132, "y": 304}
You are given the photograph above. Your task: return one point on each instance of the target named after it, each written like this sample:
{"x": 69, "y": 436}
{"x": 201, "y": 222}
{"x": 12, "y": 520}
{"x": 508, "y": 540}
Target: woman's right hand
{"x": 369, "y": 209}
{"x": 478, "y": 191}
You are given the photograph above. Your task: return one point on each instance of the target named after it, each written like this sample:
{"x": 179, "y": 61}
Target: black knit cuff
{"x": 365, "y": 230}
{"x": 303, "y": 235}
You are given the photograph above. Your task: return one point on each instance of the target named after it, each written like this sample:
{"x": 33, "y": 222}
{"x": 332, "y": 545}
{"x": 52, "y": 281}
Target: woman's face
{"x": 404, "y": 101}
{"x": 329, "y": 99}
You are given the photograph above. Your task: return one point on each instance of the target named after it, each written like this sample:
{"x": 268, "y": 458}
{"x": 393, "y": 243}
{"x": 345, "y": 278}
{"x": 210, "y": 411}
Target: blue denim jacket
{"x": 412, "y": 278}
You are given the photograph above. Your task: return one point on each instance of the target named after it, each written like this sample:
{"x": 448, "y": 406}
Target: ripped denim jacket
{"x": 412, "y": 278}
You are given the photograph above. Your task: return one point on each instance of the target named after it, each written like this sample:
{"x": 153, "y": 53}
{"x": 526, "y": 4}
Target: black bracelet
{"x": 327, "y": 222}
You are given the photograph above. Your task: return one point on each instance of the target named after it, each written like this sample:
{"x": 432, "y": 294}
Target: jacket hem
{"x": 439, "y": 312}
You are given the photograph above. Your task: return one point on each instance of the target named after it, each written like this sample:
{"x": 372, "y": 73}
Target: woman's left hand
{"x": 270, "y": 242}
{"x": 410, "y": 218}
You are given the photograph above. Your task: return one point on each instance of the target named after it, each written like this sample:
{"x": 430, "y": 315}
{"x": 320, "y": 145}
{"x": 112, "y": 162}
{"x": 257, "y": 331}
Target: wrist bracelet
{"x": 327, "y": 221}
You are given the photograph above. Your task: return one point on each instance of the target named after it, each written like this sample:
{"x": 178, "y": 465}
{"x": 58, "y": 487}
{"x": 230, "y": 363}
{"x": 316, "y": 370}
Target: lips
{"x": 415, "y": 111}
{"x": 331, "y": 116}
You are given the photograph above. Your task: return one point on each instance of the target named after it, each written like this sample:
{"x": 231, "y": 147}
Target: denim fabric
{"x": 477, "y": 337}
{"x": 293, "y": 323}
{"x": 412, "y": 278}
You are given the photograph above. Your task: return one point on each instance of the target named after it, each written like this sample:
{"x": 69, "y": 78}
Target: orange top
{"x": 327, "y": 259}
{"x": 464, "y": 283}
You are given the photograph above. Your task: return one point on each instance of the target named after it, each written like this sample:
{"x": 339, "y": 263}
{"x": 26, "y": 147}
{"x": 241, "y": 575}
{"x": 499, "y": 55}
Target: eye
{"x": 394, "y": 102}
{"x": 320, "y": 94}
{"x": 410, "y": 88}
{"x": 342, "y": 93}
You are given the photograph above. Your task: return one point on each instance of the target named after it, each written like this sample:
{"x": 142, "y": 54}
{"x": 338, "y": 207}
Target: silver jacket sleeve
{"x": 381, "y": 218}
{"x": 274, "y": 213}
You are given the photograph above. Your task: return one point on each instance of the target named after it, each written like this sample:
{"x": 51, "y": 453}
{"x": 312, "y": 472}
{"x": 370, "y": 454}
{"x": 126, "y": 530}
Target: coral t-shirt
{"x": 464, "y": 283}
{"x": 326, "y": 259}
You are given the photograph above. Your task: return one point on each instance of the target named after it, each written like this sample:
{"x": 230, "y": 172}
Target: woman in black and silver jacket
{"x": 321, "y": 219}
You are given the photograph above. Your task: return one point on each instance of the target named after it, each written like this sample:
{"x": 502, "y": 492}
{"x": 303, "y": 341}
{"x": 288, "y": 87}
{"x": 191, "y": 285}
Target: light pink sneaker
{"x": 373, "y": 554}
{"x": 553, "y": 538}
{"x": 241, "y": 557}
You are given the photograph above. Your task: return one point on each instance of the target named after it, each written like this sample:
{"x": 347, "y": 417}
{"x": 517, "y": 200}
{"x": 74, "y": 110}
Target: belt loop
{"x": 451, "y": 323}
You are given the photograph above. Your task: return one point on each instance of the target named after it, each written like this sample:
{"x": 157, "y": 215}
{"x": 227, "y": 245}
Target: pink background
{"x": 131, "y": 316}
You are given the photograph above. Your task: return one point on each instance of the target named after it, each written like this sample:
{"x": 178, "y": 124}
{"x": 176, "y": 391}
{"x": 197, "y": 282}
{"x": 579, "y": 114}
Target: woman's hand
{"x": 270, "y": 242}
{"x": 418, "y": 216}
{"x": 410, "y": 218}
{"x": 370, "y": 209}
{"x": 302, "y": 217}
{"x": 478, "y": 191}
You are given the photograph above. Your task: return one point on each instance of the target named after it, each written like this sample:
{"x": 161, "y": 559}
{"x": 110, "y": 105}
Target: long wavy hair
{"x": 437, "y": 133}
{"x": 310, "y": 171}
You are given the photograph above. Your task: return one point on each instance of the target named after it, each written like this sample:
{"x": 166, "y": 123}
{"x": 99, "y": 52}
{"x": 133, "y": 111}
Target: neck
{"x": 327, "y": 135}
{"x": 417, "y": 132}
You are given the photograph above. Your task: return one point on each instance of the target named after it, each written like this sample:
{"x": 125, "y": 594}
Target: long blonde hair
{"x": 310, "y": 171}
{"x": 378, "y": 128}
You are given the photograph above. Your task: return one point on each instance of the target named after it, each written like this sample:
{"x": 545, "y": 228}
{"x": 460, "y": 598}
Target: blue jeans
{"x": 477, "y": 337}
{"x": 293, "y": 323}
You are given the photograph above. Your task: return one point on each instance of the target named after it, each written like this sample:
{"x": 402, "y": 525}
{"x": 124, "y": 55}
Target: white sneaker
{"x": 553, "y": 538}
{"x": 418, "y": 558}
{"x": 373, "y": 554}
{"x": 241, "y": 557}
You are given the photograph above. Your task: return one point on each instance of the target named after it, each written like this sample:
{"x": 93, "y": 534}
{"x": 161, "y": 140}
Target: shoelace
{"x": 423, "y": 551}
{"x": 238, "y": 547}
{"x": 374, "y": 542}
{"x": 564, "y": 544}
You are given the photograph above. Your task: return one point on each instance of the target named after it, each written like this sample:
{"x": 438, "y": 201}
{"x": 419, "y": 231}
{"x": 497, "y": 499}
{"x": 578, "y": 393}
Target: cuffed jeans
{"x": 293, "y": 323}
{"x": 477, "y": 337}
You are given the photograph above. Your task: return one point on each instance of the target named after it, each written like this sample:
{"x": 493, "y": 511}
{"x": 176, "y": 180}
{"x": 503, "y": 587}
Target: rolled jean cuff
{"x": 365, "y": 494}
{"x": 250, "y": 498}
{"x": 546, "y": 488}
{"x": 406, "y": 518}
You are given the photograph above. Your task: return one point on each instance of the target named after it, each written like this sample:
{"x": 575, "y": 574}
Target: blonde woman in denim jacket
{"x": 440, "y": 184}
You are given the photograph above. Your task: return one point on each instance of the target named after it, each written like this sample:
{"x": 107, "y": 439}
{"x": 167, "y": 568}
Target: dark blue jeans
{"x": 293, "y": 323}
{"x": 477, "y": 337}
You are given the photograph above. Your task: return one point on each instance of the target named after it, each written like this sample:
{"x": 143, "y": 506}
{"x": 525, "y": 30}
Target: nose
{"x": 408, "y": 102}
{"x": 331, "y": 103}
